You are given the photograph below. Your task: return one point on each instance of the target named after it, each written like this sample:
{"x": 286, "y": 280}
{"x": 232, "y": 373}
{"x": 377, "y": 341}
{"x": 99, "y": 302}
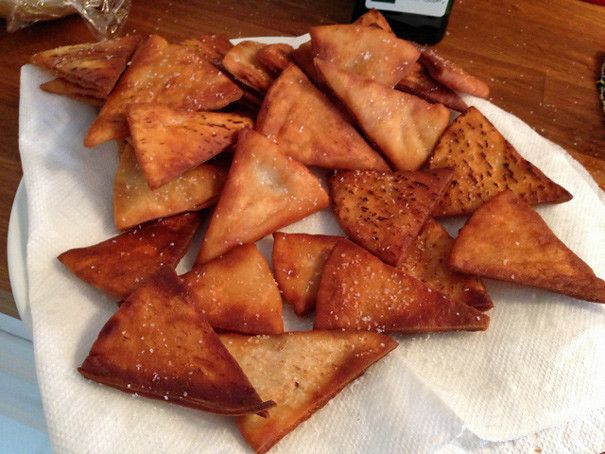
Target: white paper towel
{"x": 539, "y": 364}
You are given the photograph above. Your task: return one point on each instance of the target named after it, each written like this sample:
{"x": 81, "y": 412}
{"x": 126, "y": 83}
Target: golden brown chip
{"x": 301, "y": 371}
{"x": 485, "y": 164}
{"x": 275, "y": 57}
{"x": 298, "y": 261}
{"x": 212, "y": 47}
{"x": 359, "y": 292}
{"x": 452, "y": 75}
{"x": 96, "y": 66}
{"x": 427, "y": 259}
{"x": 373, "y": 18}
{"x": 237, "y": 292}
{"x": 121, "y": 264}
{"x": 403, "y": 126}
{"x": 369, "y": 52}
{"x": 308, "y": 127}
{"x": 63, "y": 87}
{"x": 419, "y": 83}
{"x": 303, "y": 57}
{"x": 176, "y": 75}
{"x": 168, "y": 142}
{"x": 134, "y": 203}
{"x": 242, "y": 63}
{"x": 385, "y": 211}
{"x": 158, "y": 345}
{"x": 506, "y": 239}
{"x": 265, "y": 190}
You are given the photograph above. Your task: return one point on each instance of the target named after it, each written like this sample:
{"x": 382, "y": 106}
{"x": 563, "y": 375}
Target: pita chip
{"x": 323, "y": 138}
{"x": 265, "y": 190}
{"x": 307, "y": 370}
{"x": 419, "y": 83}
{"x": 373, "y": 18}
{"x": 158, "y": 345}
{"x": 506, "y": 239}
{"x": 242, "y": 63}
{"x": 95, "y": 66}
{"x": 121, "y": 264}
{"x": 212, "y": 47}
{"x": 385, "y": 211}
{"x": 298, "y": 261}
{"x": 452, "y": 75}
{"x": 404, "y": 127}
{"x": 275, "y": 57}
{"x": 369, "y": 52}
{"x": 237, "y": 292}
{"x": 357, "y": 291}
{"x": 485, "y": 164}
{"x": 63, "y": 87}
{"x": 427, "y": 259}
{"x": 176, "y": 75}
{"x": 168, "y": 142}
{"x": 134, "y": 203}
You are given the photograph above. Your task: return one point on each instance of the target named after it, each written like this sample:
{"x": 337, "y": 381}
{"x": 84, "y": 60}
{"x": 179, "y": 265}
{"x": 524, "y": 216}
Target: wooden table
{"x": 540, "y": 59}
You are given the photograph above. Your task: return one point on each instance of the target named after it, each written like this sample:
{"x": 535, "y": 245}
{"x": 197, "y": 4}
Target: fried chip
{"x": 373, "y": 18}
{"x": 427, "y": 259}
{"x": 370, "y": 52}
{"x": 359, "y": 292}
{"x": 158, "y": 345}
{"x": 298, "y": 261}
{"x": 237, "y": 292}
{"x": 134, "y": 203}
{"x": 212, "y": 47}
{"x": 418, "y": 82}
{"x": 485, "y": 164}
{"x": 167, "y": 142}
{"x": 121, "y": 264}
{"x": 308, "y": 127}
{"x": 385, "y": 211}
{"x": 303, "y": 57}
{"x": 175, "y": 75}
{"x": 506, "y": 239}
{"x": 275, "y": 57}
{"x": 301, "y": 371}
{"x": 242, "y": 63}
{"x": 403, "y": 126}
{"x": 96, "y": 66}
{"x": 265, "y": 190}
{"x": 63, "y": 87}
{"x": 452, "y": 75}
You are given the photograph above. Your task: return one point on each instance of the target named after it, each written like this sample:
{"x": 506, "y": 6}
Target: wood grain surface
{"x": 540, "y": 58}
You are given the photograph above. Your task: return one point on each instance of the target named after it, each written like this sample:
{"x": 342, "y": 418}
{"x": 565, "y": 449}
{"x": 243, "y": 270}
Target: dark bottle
{"x": 422, "y": 21}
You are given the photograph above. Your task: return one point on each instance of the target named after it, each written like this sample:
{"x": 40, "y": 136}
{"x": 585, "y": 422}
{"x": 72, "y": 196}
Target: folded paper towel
{"x": 536, "y": 366}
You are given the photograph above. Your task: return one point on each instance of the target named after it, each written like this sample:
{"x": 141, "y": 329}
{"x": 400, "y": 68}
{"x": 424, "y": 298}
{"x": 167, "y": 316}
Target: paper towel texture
{"x": 539, "y": 364}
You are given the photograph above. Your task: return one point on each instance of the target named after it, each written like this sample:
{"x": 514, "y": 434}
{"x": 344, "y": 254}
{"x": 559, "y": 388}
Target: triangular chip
{"x": 265, "y": 190}
{"x": 452, "y": 75}
{"x": 237, "y": 292}
{"x": 419, "y": 83}
{"x": 369, "y": 52}
{"x": 121, "y": 264}
{"x": 427, "y": 259}
{"x": 275, "y": 57}
{"x": 385, "y": 211}
{"x": 168, "y": 142}
{"x": 158, "y": 345}
{"x": 485, "y": 164}
{"x": 373, "y": 18}
{"x": 359, "y": 292}
{"x": 176, "y": 75}
{"x": 134, "y": 203}
{"x": 63, "y": 87}
{"x": 301, "y": 371}
{"x": 242, "y": 63}
{"x": 96, "y": 66}
{"x": 506, "y": 239}
{"x": 403, "y": 126}
{"x": 303, "y": 57}
{"x": 212, "y": 47}
{"x": 298, "y": 261}
{"x": 308, "y": 127}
